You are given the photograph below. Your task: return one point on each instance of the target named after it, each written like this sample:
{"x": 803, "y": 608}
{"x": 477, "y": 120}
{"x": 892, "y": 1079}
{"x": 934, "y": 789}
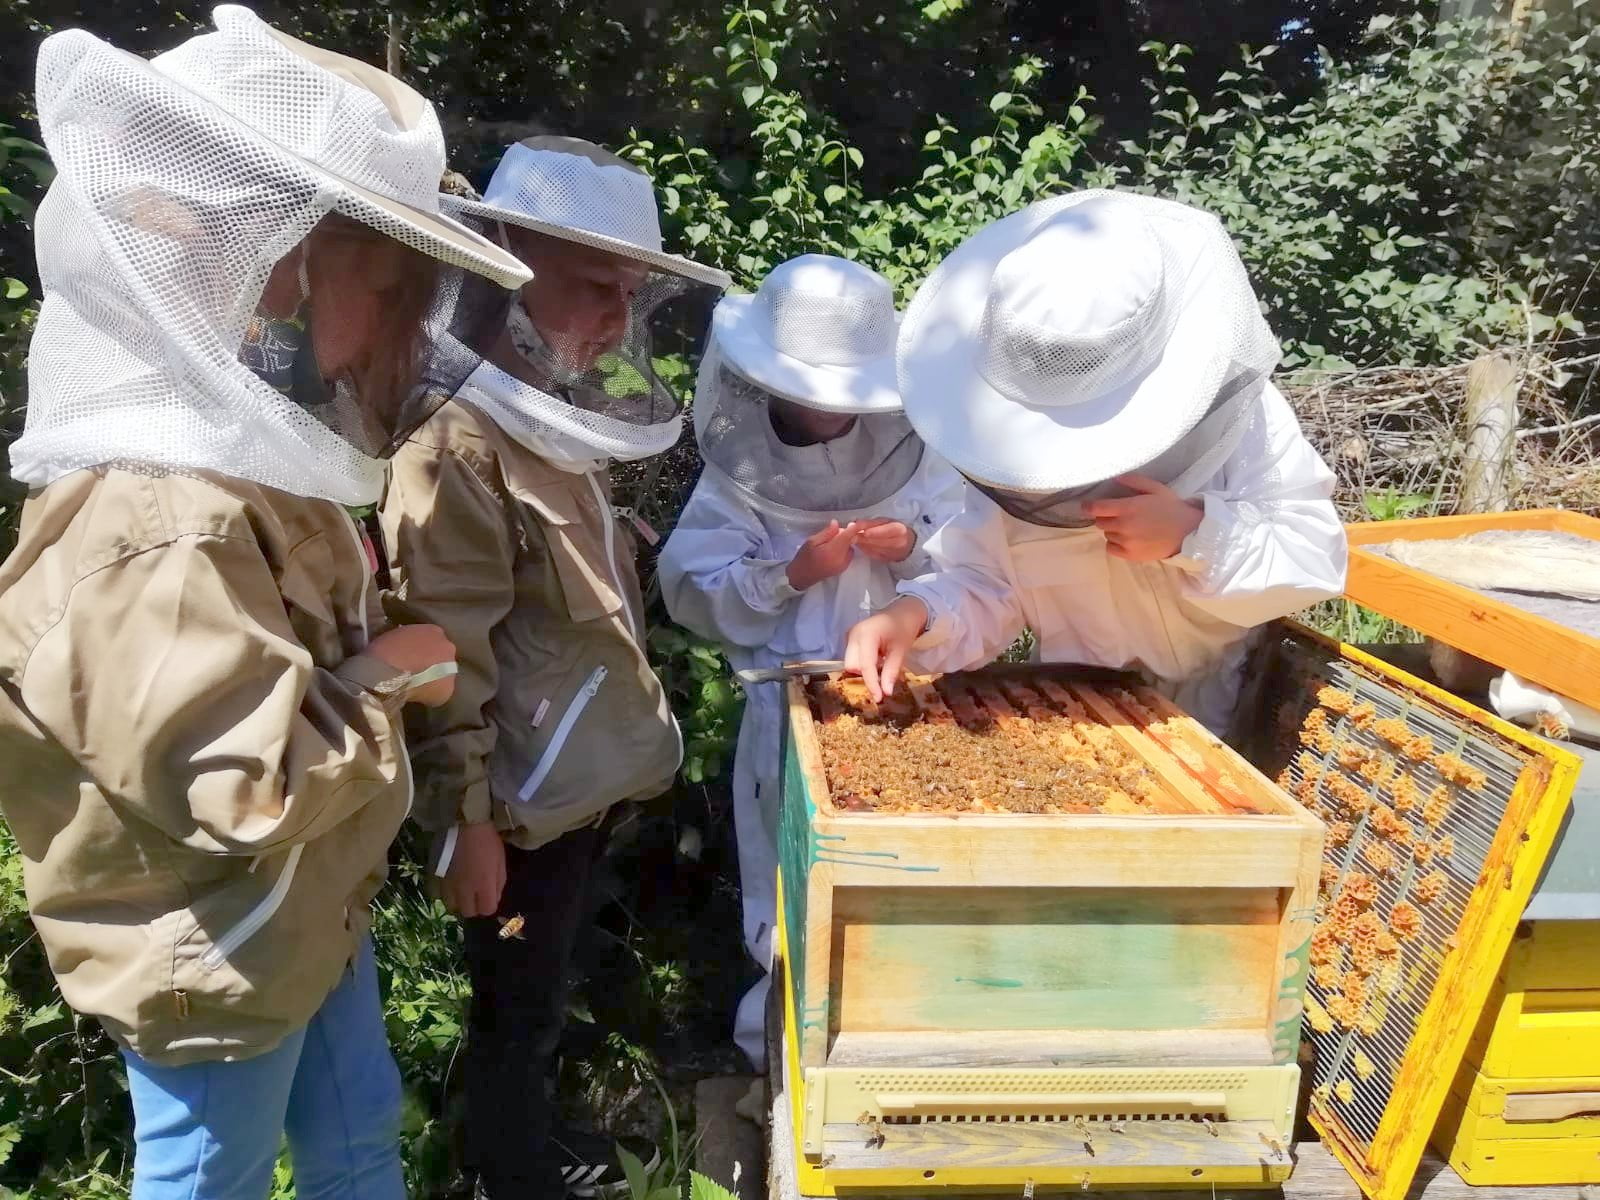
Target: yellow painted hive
{"x": 1037, "y": 926}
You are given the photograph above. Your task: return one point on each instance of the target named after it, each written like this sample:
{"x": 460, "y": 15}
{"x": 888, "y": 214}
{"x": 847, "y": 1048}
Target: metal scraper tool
{"x": 825, "y": 666}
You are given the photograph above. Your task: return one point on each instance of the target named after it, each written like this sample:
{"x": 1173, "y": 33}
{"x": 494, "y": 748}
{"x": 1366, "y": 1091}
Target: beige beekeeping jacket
{"x": 556, "y": 715}
{"x": 202, "y": 768}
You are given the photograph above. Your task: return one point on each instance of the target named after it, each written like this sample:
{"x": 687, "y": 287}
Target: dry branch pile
{"x": 1400, "y": 430}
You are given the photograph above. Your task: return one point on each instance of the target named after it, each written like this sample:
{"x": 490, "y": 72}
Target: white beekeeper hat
{"x": 819, "y": 331}
{"x": 181, "y": 182}
{"x": 374, "y": 141}
{"x": 1083, "y": 338}
{"x": 580, "y": 192}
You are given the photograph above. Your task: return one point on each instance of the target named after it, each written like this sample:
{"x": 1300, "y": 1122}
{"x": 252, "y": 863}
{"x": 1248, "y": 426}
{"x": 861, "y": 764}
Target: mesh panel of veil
{"x": 1186, "y": 466}
{"x": 853, "y": 473}
{"x": 154, "y": 245}
{"x": 614, "y": 404}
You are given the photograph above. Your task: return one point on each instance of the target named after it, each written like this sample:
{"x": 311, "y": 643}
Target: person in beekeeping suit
{"x": 817, "y": 499}
{"x": 503, "y": 531}
{"x": 1098, "y": 367}
{"x": 199, "y": 702}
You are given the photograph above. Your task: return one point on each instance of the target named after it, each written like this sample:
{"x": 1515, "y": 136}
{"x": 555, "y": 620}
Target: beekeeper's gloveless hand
{"x": 877, "y": 647}
{"x": 825, "y": 554}
{"x": 415, "y": 648}
{"x": 886, "y": 541}
{"x": 477, "y": 873}
{"x": 1147, "y": 527}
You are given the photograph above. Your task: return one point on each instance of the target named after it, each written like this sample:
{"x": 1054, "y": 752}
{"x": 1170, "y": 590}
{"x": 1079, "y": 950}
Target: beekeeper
{"x": 199, "y": 709}
{"x": 816, "y": 500}
{"x": 1098, "y": 367}
{"x": 502, "y": 530}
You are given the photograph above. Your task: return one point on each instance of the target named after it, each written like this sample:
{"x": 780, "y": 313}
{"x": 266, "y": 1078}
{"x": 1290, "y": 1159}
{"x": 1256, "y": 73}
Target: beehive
{"x": 1064, "y": 908}
{"x": 1525, "y": 1105}
{"x": 1440, "y": 818}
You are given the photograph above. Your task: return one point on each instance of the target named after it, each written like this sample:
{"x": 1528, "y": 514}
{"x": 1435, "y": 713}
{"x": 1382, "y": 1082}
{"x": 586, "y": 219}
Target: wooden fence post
{"x": 1486, "y": 463}
{"x": 394, "y": 55}
{"x": 1491, "y": 421}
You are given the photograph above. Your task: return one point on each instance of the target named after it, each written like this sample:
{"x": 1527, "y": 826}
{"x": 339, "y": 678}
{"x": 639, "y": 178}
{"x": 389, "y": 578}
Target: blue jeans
{"x": 211, "y": 1130}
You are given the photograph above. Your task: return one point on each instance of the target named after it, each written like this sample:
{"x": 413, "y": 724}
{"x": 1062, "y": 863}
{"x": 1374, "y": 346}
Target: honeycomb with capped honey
{"x": 979, "y": 742}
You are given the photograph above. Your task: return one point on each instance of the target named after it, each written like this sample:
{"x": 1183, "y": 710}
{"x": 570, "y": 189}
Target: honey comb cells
{"x": 985, "y": 744}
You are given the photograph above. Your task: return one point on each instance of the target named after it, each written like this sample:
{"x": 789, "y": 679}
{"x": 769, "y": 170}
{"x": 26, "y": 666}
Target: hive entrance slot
{"x": 1044, "y": 1108}
{"x": 1104, "y": 1118}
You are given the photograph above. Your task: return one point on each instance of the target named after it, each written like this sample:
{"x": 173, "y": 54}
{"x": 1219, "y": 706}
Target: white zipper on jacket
{"x": 258, "y": 916}
{"x": 563, "y": 730}
{"x": 610, "y": 515}
{"x": 366, "y": 636}
{"x": 361, "y": 553}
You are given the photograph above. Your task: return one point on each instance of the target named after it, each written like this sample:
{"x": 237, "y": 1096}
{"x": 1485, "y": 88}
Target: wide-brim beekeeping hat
{"x": 819, "y": 331}
{"x": 579, "y": 192}
{"x": 181, "y": 182}
{"x": 1083, "y": 338}
{"x": 374, "y": 140}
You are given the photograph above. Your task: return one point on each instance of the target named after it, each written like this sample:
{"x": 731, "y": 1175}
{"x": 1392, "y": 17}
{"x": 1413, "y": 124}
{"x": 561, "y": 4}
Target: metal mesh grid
{"x": 1361, "y": 1034}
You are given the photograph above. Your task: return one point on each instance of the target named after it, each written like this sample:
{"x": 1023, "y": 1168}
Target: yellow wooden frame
{"x": 1522, "y": 843}
{"x": 1561, "y": 659}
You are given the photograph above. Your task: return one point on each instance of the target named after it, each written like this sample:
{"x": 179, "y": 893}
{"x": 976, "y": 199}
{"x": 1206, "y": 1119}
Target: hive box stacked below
{"x": 1036, "y": 929}
{"x": 1525, "y": 1107}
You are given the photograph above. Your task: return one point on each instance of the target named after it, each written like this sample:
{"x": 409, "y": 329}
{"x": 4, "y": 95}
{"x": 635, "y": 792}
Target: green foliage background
{"x": 1402, "y": 192}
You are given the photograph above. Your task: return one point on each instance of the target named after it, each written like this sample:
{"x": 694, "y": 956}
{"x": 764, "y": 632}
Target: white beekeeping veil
{"x": 1090, "y": 336}
{"x": 818, "y": 334}
{"x": 570, "y": 372}
{"x": 181, "y": 182}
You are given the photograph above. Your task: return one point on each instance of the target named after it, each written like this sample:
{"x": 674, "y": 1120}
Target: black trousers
{"x": 518, "y": 1009}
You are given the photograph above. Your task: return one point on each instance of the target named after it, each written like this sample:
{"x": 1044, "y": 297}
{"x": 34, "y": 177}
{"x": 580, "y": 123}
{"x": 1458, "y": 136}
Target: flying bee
{"x": 511, "y": 927}
{"x": 1272, "y": 1144}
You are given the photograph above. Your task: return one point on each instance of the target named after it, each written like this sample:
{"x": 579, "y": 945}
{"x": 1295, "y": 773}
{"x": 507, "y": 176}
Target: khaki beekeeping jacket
{"x": 202, "y": 768}
{"x": 556, "y": 715}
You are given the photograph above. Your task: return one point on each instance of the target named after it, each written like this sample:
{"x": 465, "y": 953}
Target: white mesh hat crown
{"x": 572, "y": 189}
{"x": 819, "y": 331}
{"x": 181, "y": 183}
{"x": 1083, "y": 338}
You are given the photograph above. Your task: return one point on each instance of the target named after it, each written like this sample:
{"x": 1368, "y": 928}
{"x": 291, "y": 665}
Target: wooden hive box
{"x": 1126, "y": 954}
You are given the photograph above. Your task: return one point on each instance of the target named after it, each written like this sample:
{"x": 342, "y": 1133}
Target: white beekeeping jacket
{"x": 1269, "y": 545}
{"x": 723, "y": 571}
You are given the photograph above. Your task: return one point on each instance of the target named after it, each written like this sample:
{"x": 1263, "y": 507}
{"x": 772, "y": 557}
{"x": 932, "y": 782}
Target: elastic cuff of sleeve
{"x": 1206, "y": 549}
{"x": 769, "y": 580}
{"x": 383, "y": 680}
{"x": 940, "y": 623}
{"x": 476, "y": 806}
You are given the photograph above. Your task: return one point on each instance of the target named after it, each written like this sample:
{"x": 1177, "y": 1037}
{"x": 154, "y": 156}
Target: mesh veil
{"x": 1184, "y": 468}
{"x": 849, "y": 475}
{"x": 557, "y": 396}
{"x": 155, "y": 243}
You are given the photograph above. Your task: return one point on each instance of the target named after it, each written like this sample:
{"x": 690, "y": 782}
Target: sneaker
{"x": 589, "y": 1164}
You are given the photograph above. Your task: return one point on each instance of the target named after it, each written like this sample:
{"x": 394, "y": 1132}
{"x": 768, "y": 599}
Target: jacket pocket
{"x": 577, "y": 550}
{"x": 228, "y": 942}
{"x": 559, "y": 735}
